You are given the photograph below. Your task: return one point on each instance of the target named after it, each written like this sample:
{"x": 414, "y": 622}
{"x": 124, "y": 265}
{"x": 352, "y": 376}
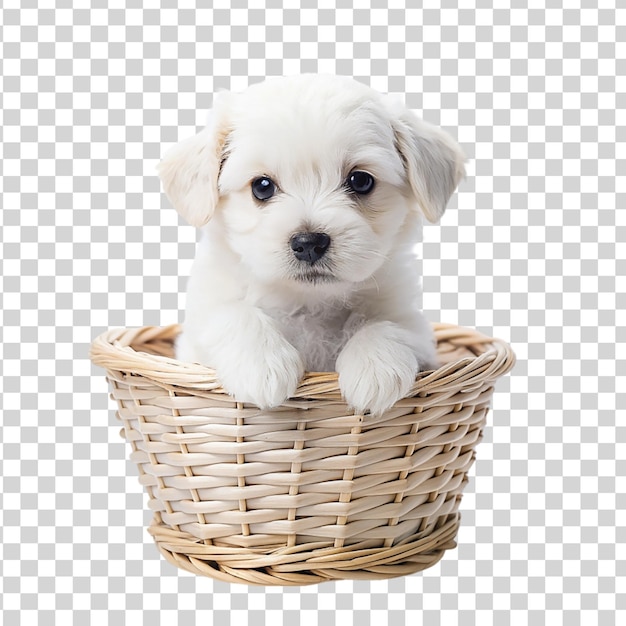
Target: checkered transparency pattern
{"x": 530, "y": 250}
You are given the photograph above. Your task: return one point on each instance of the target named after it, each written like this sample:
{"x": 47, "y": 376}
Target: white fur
{"x": 248, "y": 314}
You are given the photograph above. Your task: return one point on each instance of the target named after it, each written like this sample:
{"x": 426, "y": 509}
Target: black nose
{"x": 309, "y": 247}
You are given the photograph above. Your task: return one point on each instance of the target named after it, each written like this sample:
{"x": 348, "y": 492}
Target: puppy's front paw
{"x": 264, "y": 378}
{"x": 376, "y": 369}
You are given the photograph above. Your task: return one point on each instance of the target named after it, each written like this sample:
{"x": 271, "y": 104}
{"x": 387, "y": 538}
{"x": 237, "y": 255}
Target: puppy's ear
{"x": 190, "y": 170}
{"x": 433, "y": 162}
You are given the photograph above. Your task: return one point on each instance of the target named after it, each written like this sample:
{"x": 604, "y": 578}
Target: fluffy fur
{"x": 256, "y": 313}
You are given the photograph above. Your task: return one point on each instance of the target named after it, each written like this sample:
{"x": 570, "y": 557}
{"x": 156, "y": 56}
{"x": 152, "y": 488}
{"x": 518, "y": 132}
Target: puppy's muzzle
{"x": 309, "y": 247}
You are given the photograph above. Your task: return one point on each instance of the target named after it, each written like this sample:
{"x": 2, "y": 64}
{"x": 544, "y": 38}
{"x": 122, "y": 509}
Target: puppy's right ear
{"x": 190, "y": 170}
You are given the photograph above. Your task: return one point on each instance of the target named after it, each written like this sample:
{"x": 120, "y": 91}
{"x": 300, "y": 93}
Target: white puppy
{"x": 309, "y": 191}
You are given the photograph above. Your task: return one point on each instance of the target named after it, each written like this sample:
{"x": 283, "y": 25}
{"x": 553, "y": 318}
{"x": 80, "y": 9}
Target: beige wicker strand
{"x": 113, "y": 382}
{"x": 153, "y": 459}
{"x": 308, "y": 491}
{"x": 296, "y": 469}
{"x": 114, "y": 350}
{"x": 447, "y": 448}
{"x": 241, "y": 481}
{"x": 404, "y": 473}
{"x": 187, "y": 469}
{"x": 345, "y": 497}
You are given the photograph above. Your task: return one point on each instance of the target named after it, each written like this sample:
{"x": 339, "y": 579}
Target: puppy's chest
{"x": 318, "y": 336}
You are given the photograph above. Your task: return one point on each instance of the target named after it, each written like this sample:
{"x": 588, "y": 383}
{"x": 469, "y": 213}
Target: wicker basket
{"x": 307, "y": 492}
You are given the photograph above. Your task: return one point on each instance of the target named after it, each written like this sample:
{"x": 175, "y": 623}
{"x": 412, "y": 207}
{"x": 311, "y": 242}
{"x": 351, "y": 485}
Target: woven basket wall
{"x": 306, "y": 492}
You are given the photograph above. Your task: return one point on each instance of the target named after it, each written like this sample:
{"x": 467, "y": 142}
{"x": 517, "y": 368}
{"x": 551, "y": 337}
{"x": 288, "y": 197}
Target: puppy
{"x": 309, "y": 192}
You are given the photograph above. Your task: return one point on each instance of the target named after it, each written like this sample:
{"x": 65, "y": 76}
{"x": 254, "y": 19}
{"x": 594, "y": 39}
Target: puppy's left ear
{"x": 190, "y": 170}
{"x": 433, "y": 162}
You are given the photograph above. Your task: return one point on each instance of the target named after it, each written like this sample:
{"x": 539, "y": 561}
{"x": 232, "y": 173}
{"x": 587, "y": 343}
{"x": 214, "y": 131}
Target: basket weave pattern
{"x": 306, "y": 492}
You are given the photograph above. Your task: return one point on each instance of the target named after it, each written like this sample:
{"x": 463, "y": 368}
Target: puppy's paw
{"x": 265, "y": 378}
{"x": 376, "y": 368}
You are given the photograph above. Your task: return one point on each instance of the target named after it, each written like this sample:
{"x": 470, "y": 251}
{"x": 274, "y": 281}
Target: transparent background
{"x": 531, "y": 250}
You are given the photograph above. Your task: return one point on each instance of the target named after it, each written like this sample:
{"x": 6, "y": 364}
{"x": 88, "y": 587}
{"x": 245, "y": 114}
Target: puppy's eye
{"x": 263, "y": 188}
{"x": 360, "y": 182}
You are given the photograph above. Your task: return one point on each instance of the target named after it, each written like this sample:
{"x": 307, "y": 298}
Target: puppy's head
{"x": 312, "y": 178}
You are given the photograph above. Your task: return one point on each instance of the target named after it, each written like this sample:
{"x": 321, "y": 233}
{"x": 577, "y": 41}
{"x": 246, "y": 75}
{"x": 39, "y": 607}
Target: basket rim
{"x": 113, "y": 350}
